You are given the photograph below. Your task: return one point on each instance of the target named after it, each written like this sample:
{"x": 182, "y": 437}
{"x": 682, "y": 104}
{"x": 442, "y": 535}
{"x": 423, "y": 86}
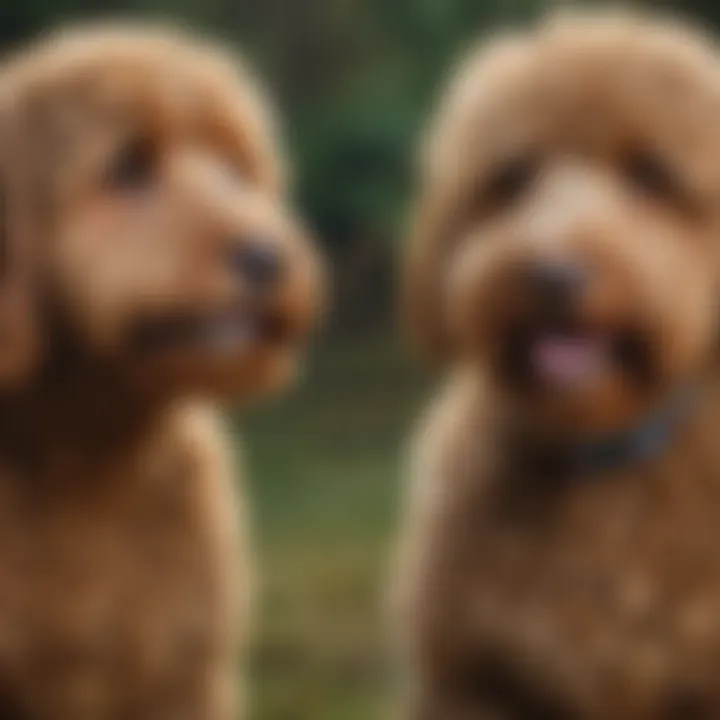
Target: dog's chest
{"x": 611, "y": 598}
{"x": 91, "y": 592}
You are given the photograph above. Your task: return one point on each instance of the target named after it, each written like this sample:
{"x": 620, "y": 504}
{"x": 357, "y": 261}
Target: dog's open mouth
{"x": 572, "y": 357}
{"x": 232, "y": 331}
{"x": 567, "y": 359}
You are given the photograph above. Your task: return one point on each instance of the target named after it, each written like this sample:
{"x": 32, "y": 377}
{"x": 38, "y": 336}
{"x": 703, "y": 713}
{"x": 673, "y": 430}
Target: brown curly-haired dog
{"x": 562, "y": 551}
{"x": 149, "y": 270}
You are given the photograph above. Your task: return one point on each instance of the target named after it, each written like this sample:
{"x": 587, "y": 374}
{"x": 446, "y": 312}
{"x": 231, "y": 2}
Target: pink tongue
{"x": 562, "y": 359}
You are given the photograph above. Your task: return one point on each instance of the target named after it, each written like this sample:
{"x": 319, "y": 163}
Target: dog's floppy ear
{"x": 437, "y": 218}
{"x": 421, "y": 291}
{"x": 18, "y": 331}
{"x": 450, "y": 169}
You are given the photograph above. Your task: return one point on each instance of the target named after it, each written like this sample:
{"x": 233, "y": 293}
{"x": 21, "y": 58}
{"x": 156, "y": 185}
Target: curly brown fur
{"x": 570, "y": 204}
{"x": 150, "y": 270}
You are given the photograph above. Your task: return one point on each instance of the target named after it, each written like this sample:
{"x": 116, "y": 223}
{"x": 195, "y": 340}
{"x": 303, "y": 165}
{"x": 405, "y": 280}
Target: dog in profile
{"x": 561, "y": 552}
{"x": 151, "y": 270}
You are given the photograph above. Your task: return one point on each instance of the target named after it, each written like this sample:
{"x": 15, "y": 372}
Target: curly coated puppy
{"x": 562, "y": 552}
{"x": 150, "y": 270}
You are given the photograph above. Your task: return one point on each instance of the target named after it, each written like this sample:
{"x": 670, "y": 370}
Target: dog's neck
{"x": 607, "y": 453}
{"x": 81, "y": 414}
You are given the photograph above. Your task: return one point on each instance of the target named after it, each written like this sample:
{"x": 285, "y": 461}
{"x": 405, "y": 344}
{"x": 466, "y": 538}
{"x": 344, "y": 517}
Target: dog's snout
{"x": 258, "y": 261}
{"x": 557, "y": 281}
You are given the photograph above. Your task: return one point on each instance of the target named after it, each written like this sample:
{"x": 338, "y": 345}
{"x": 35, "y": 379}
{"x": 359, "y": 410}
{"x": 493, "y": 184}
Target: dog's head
{"x": 567, "y": 238}
{"x": 148, "y": 226}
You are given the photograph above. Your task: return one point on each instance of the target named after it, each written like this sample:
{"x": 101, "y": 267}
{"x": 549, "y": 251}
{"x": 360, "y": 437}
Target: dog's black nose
{"x": 557, "y": 281}
{"x": 258, "y": 261}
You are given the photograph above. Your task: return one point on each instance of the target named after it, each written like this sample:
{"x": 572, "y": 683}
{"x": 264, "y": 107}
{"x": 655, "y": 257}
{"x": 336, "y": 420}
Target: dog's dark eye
{"x": 510, "y": 180}
{"x": 133, "y": 167}
{"x": 653, "y": 176}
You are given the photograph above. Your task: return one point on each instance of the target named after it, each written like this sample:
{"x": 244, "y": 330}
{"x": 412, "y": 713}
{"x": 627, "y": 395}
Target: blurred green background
{"x": 354, "y": 80}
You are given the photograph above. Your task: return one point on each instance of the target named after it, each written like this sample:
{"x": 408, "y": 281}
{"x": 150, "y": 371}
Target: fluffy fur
{"x": 150, "y": 271}
{"x": 528, "y": 590}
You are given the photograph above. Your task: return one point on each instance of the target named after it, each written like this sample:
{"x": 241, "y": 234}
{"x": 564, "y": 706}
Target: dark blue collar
{"x": 641, "y": 443}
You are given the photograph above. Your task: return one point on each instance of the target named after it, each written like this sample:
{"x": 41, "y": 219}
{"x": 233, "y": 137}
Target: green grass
{"x": 324, "y": 467}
